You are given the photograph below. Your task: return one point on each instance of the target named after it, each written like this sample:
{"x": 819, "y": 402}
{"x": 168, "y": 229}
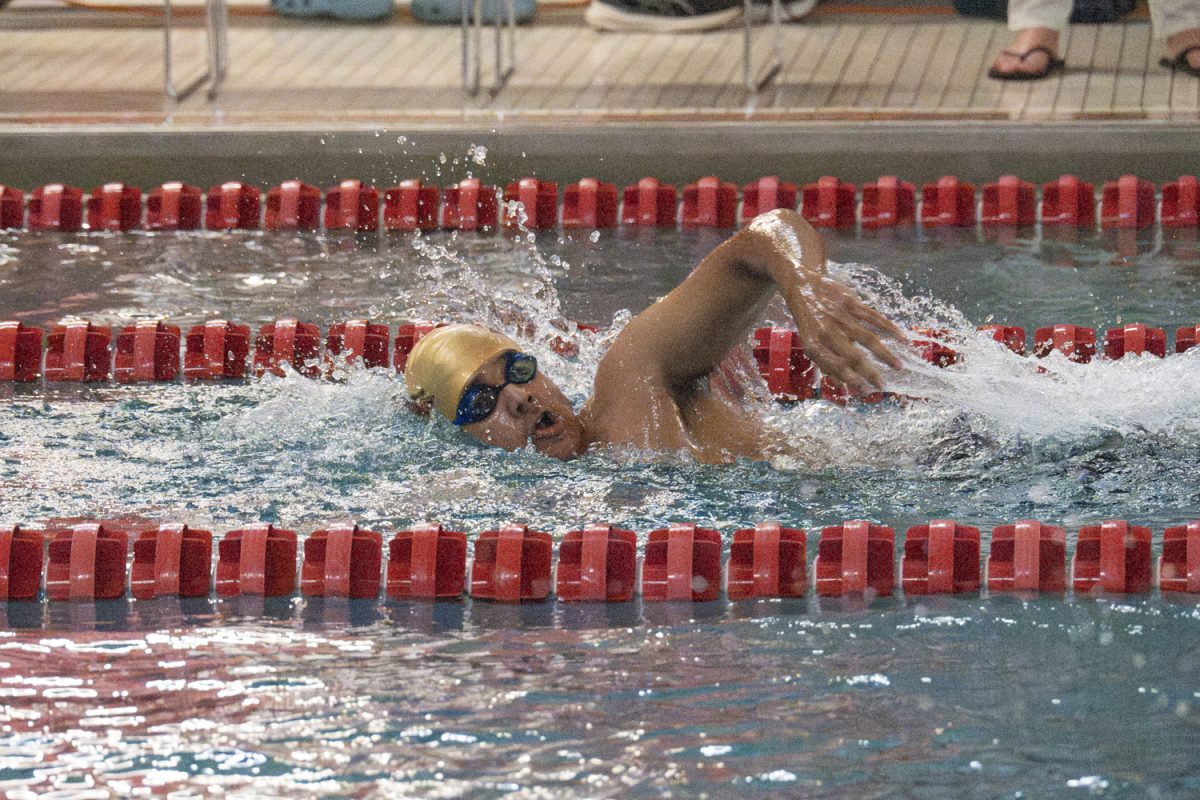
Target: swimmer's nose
{"x": 519, "y": 402}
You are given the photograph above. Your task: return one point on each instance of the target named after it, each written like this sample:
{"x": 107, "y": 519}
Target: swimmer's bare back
{"x": 658, "y": 386}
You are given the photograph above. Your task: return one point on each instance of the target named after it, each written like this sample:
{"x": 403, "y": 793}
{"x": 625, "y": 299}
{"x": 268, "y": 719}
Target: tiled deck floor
{"x": 85, "y": 66}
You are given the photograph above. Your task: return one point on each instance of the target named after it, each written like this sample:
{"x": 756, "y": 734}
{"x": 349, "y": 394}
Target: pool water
{"x": 956, "y": 697}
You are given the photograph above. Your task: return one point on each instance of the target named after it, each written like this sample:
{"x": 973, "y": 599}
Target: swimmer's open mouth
{"x": 548, "y": 425}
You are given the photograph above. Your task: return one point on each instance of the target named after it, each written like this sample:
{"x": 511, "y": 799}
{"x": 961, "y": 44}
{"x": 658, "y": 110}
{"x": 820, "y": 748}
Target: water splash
{"x": 993, "y": 436}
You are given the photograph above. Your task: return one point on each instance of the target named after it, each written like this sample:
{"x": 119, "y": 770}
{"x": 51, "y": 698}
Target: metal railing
{"x": 505, "y": 28}
{"x": 217, "y": 28}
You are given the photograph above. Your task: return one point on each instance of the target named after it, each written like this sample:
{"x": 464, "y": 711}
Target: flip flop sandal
{"x": 1052, "y": 65}
{"x": 1180, "y": 62}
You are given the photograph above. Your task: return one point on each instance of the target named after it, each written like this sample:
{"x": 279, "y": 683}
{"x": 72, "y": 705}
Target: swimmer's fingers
{"x": 825, "y": 345}
{"x": 865, "y": 338}
{"x": 843, "y": 361}
{"x": 854, "y": 306}
{"x": 834, "y": 367}
{"x": 878, "y": 322}
{"x": 857, "y": 370}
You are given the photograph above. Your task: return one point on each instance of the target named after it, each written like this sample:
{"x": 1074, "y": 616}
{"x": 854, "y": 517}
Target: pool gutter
{"x": 976, "y": 151}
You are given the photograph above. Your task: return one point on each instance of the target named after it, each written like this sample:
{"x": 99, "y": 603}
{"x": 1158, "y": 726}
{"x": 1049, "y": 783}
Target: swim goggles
{"x": 479, "y": 400}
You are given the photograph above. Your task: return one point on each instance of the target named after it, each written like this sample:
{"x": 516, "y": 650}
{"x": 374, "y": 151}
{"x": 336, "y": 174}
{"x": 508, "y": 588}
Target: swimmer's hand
{"x": 836, "y": 327}
{"x": 688, "y": 334}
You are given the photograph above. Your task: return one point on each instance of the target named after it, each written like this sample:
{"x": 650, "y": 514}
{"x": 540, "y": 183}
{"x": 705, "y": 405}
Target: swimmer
{"x": 660, "y": 386}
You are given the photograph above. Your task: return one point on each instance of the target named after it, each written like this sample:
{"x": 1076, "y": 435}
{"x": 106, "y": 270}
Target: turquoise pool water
{"x": 935, "y": 697}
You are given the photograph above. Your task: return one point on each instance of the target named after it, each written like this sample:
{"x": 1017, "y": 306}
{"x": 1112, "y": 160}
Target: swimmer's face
{"x": 536, "y": 412}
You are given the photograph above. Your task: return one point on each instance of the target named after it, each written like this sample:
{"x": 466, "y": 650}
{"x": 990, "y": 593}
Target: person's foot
{"x": 1031, "y": 55}
{"x": 662, "y": 16}
{"x": 1183, "y": 51}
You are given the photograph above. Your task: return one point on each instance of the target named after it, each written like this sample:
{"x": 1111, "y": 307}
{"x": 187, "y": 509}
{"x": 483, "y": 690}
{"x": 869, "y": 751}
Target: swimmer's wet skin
{"x": 652, "y": 389}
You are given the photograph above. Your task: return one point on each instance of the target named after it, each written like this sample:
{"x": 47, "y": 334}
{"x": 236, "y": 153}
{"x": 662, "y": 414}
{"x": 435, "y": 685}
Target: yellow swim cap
{"x": 442, "y": 363}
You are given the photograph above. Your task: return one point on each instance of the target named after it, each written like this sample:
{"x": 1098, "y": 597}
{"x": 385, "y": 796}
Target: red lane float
{"x": 649, "y": 203}
{"x": 77, "y": 351}
{"x": 709, "y": 203}
{"x": 567, "y": 348}
{"x": 147, "y": 351}
{"x": 114, "y": 207}
{"x": 215, "y": 350}
{"x": 234, "y": 205}
{"x": 411, "y": 206}
{"x": 948, "y": 203}
{"x": 293, "y": 206}
{"x": 87, "y": 562}
{"x": 1008, "y": 201}
{"x": 839, "y": 393}
{"x": 1127, "y": 202}
{"x": 1027, "y": 556}
{"x": 20, "y": 352}
{"x": 589, "y": 204}
{"x": 1181, "y": 203}
{"x": 171, "y": 561}
{"x": 174, "y": 206}
{"x": 767, "y": 561}
{"x": 767, "y": 194}
{"x": 828, "y": 203}
{"x": 1185, "y": 339}
{"x": 539, "y": 204}
{"x": 12, "y": 207}
{"x": 20, "y": 563}
{"x": 682, "y": 562}
{"x": 888, "y": 202}
{"x": 358, "y": 340}
{"x": 788, "y": 372}
{"x": 287, "y": 342}
{"x": 855, "y": 558}
{"x": 407, "y": 336}
{"x": 1179, "y": 564}
{"x": 1112, "y": 557}
{"x": 597, "y": 564}
{"x": 352, "y": 206}
{"x": 1011, "y": 336}
{"x": 342, "y": 561}
{"x": 1075, "y": 342}
{"x": 512, "y": 565}
{"x": 257, "y": 560}
{"x": 469, "y": 206}
{"x": 56, "y": 207}
{"x": 427, "y": 563}
{"x": 1069, "y": 201}
{"x": 933, "y": 349}
{"x": 1134, "y": 339}
{"x": 941, "y": 557}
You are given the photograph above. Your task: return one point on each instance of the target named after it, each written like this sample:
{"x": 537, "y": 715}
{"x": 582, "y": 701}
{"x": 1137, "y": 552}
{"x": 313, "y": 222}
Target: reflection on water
{"x": 954, "y": 698}
{"x": 957, "y": 697}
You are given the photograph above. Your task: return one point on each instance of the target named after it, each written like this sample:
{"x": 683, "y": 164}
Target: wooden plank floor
{"x": 91, "y": 67}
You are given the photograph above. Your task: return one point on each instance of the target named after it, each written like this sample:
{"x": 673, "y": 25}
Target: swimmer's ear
{"x": 421, "y": 405}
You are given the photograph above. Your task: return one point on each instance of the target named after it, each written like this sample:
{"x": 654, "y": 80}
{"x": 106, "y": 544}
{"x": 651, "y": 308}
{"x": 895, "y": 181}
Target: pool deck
{"x": 850, "y": 79}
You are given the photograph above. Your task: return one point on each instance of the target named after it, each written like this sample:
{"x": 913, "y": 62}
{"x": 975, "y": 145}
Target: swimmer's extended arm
{"x": 689, "y": 332}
